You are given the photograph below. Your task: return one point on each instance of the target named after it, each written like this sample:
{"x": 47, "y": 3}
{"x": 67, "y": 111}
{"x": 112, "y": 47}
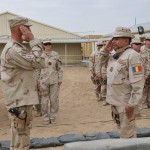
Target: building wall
{"x": 69, "y": 53}
{"x": 87, "y": 48}
{"x": 44, "y": 31}
{"x": 4, "y": 29}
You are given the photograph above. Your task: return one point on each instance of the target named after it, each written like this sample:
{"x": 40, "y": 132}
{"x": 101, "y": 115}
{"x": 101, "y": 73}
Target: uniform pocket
{"x": 120, "y": 74}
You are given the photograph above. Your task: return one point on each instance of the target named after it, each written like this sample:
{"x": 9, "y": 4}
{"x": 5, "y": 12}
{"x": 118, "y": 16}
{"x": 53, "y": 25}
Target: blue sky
{"x": 83, "y": 17}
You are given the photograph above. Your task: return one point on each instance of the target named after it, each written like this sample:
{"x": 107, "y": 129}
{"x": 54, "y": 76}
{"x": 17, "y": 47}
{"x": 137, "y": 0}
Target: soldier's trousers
{"x": 146, "y": 92}
{"x": 20, "y": 129}
{"x": 126, "y": 126}
{"x": 49, "y": 93}
{"x": 38, "y": 106}
{"x": 97, "y": 90}
{"x": 103, "y": 91}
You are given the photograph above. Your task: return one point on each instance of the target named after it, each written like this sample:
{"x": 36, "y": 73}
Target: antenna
{"x": 135, "y": 20}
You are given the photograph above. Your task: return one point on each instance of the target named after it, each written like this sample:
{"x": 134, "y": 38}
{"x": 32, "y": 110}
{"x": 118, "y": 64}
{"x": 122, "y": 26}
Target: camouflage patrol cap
{"x": 147, "y": 37}
{"x": 46, "y": 41}
{"x": 15, "y": 21}
{"x": 136, "y": 40}
{"x": 99, "y": 43}
{"x": 123, "y": 32}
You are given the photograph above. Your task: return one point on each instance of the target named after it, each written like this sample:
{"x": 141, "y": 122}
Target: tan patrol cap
{"x": 147, "y": 37}
{"x": 15, "y": 21}
{"x": 123, "y": 32}
{"x": 46, "y": 41}
{"x": 136, "y": 40}
{"x": 99, "y": 43}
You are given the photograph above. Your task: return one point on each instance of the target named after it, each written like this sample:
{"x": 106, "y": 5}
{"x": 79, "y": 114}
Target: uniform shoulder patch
{"x": 137, "y": 69}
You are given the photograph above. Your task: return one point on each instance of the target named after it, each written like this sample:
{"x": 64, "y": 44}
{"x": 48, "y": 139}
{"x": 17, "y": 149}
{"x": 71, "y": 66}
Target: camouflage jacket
{"x": 145, "y": 56}
{"x": 17, "y": 73}
{"x": 125, "y": 78}
{"x": 53, "y": 73}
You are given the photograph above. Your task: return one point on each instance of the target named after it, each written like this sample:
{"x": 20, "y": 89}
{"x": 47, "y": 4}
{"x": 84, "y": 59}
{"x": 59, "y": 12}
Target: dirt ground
{"x": 79, "y": 111}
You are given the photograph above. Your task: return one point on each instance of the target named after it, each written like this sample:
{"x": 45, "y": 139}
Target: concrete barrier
{"x": 111, "y": 144}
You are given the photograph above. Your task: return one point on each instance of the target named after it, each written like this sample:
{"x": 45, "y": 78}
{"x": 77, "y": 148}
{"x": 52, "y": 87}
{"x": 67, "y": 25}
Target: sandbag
{"x": 143, "y": 132}
{"x": 4, "y": 145}
{"x": 114, "y": 134}
{"x": 45, "y": 142}
{"x": 67, "y": 138}
{"x": 96, "y": 136}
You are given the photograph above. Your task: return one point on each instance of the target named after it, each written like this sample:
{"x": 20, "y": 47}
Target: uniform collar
{"x": 121, "y": 50}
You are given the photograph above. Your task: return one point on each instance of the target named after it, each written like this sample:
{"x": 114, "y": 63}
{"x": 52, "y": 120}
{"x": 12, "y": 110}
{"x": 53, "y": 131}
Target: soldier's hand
{"x": 59, "y": 84}
{"x": 26, "y": 34}
{"x": 99, "y": 78}
{"x": 38, "y": 84}
{"x": 93, "y": 73}
{"x": 109, "y": 46}
{"x": 129, "y": 111}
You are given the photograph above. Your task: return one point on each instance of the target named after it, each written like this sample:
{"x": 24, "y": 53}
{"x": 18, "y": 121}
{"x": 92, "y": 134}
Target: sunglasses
{"x": 137, "y": 43}
{"x": 46, "y": 44}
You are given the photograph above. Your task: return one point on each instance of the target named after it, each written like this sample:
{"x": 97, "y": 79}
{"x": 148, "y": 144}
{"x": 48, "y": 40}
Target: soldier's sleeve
{"x": 37, "y": 74}
{"x": 136, "y": 78}
{"x": 59, "y": 69}
{"x": 91, "y": 62}
{"x": 104, "y": 56}
{"x": 27, "y": 59}
{"x": 98, "y": 69}
{"x": 145, "y": 63}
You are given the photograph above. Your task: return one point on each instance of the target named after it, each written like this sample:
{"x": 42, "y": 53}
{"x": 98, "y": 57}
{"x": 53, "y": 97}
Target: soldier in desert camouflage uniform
{"x": 18, "y": 82}
{"x": 50, "y": 80}
{"x": 145, "y": 55}
{"x": 125, "y": 80}
{"x": 136, "y": 44}
{"x": 94, "y": 69}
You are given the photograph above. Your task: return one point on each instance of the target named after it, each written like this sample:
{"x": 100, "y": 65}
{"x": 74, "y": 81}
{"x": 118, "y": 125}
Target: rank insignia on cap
{"x": 137, "y": 69}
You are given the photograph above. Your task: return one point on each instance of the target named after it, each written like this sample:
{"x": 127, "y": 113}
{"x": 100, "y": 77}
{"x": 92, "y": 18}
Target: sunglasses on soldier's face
{"x": 137, "y": 43}
{"x": 46, "y": 44}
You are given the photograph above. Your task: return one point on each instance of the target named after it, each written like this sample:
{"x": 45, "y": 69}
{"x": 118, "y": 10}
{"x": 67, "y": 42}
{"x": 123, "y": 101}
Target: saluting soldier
{"x": 18, "y": 80}
{"x": 94, "y": 69}
{"x": 125, "y": 80}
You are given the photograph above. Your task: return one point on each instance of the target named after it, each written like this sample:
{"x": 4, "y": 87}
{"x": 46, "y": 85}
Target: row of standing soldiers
{"x": 99, "y": 76}
{"x": 125, "y": 75}
{"x": 99, "y": 70}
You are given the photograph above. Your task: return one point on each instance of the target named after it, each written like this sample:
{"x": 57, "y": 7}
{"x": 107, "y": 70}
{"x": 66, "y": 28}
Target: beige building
{"x": 67, "y": 44}
{"x": 89, "y": 47}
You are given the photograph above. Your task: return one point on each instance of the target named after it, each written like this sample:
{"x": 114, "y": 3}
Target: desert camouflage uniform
{"x": 94, "y": 66}
{"x": 18, "y": 85}
{"x": 145, "y": 55}
{"x": 124, "y": 87}
{"x": 49, "y": 88}
{"x": 101, "y": 70}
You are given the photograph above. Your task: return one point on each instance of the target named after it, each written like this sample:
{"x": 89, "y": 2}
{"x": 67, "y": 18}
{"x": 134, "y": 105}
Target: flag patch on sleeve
{"x": 137, "y": 69}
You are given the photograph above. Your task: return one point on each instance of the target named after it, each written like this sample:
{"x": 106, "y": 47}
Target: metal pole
{"x": 135, "y": 20}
